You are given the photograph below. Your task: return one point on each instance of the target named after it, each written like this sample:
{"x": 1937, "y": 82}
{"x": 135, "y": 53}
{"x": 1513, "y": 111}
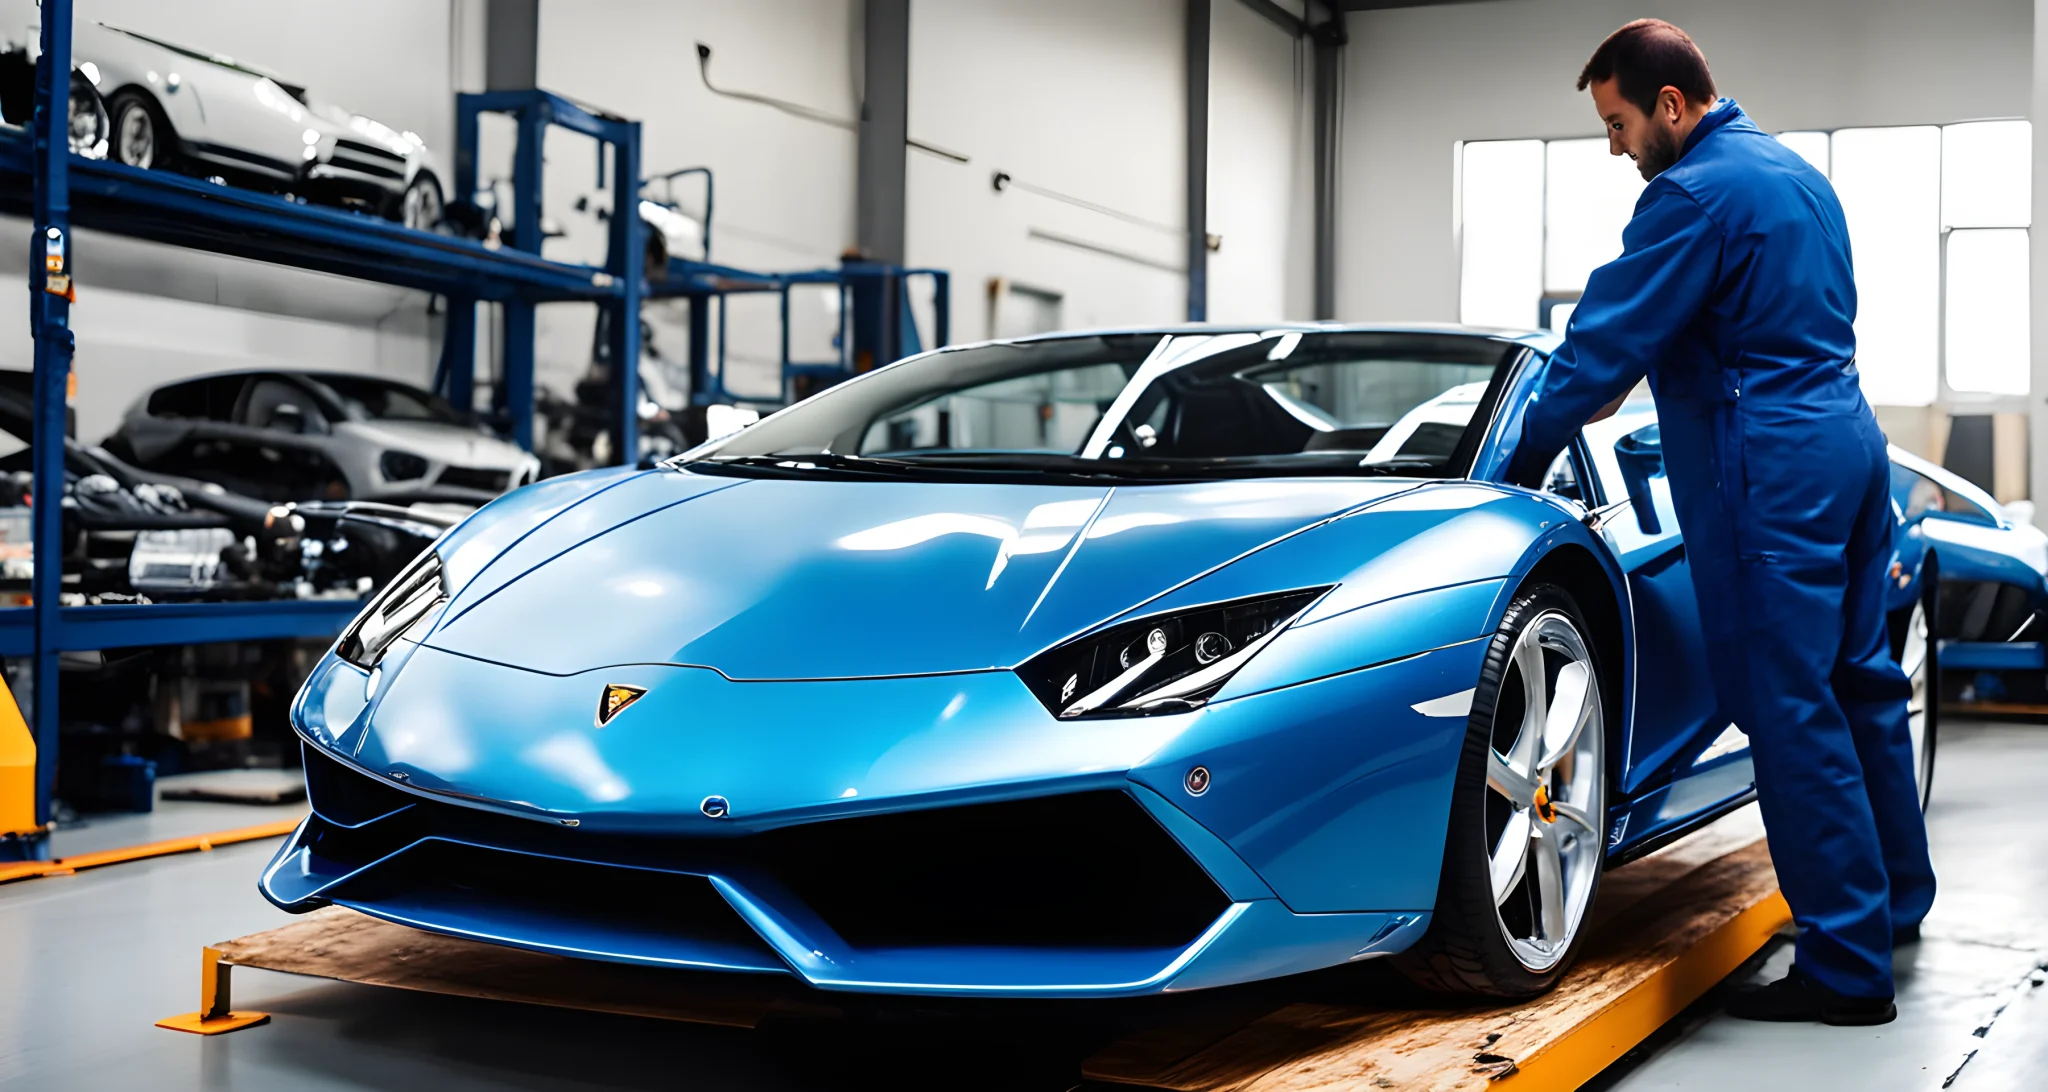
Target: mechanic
{"x": 1733, "y": 295}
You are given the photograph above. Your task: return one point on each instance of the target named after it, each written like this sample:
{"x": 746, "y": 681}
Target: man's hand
{"x": 1608, "y": 410}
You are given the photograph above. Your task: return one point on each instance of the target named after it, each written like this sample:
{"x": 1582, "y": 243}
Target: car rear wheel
{"x": 1525, "y": 846}
{"x": 142, "y": 138}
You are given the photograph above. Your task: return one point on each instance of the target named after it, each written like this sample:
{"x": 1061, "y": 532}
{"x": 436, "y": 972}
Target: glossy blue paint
{"x": 821, "y": 650}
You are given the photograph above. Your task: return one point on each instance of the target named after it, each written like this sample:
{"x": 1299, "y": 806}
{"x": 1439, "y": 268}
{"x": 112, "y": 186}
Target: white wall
{"x": 1076, "y": 96}
{"x": 1261, "y": 160}
{"x": 1419, "y": 80}
{"x": 785, "y": 185}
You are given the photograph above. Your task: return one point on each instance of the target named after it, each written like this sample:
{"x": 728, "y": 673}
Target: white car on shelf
{"x": 172, "y": 107}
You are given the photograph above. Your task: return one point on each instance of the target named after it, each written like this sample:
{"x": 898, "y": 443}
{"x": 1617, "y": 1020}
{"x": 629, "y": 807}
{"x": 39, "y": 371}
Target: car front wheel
{"x": 1524, "y": 847}
{"x": 420, "y": 207}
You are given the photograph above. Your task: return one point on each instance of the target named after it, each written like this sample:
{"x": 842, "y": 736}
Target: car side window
{"x": 1918, "y": 495}
{"x": 210, "y": 399}
{"x": 1563, "y": 479}
{"x": 281, "y": 406}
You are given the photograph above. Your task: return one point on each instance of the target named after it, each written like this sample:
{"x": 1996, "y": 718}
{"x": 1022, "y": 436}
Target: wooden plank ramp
{"x": 1666, "y": 929}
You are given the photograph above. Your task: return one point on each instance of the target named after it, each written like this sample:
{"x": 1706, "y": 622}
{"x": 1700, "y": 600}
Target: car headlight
{"x": 407, "y": 605}
{"x": 1167, "y": 663}
{"x": 401, "y": 466}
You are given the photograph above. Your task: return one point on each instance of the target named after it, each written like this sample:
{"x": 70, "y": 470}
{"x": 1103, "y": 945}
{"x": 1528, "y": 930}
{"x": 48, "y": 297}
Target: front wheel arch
{"x": 1575, "y": 569}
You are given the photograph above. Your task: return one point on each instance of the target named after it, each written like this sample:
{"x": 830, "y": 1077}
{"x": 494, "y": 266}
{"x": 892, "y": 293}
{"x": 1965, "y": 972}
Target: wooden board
{"x": 341, "y": 944}
{"x": 1667, "y": 928}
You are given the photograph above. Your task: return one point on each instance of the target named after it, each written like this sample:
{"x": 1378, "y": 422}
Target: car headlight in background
{"x": 1167, "y": 663}
{"x": 408, "y": 604}
{"x": 401, "y": 466}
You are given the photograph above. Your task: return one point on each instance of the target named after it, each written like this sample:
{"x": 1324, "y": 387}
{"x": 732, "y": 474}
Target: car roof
{"x": 346, "y": 377}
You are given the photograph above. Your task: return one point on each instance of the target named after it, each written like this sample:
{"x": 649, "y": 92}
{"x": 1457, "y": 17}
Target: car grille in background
{"x": 1087, "y": 870}
{"x": 470, "y": 477}
{"x": 368, "y": 159}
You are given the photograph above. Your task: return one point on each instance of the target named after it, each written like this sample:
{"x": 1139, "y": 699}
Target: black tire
{"x": 1465, "y": 950}
{"x": 421, "y": 206}
{"x": 131, "y": 106}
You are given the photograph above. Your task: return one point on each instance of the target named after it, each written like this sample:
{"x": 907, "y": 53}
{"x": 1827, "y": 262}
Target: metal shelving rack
{"x": 39, "y": 177}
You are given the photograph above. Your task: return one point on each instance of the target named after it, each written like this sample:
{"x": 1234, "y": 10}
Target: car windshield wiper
{"x": 1128, "y": 468}
{"x": 814, "y": 461}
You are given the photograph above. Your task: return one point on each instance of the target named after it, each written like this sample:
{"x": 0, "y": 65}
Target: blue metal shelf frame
{"x": 61, "y": 191}
{"x": 532, "y": 112}
{"x": 870, "y": 295}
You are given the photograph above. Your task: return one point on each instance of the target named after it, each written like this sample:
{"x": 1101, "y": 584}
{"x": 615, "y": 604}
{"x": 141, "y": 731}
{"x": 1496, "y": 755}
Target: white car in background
{"x": 290, "y": 435}
{"x": 175, "y": 108}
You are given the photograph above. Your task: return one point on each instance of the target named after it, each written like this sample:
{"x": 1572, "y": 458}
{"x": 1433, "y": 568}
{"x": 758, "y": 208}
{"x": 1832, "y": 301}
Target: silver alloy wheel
{"x": 1551, "y": 780}
{"x": 420, "y": 206}
{"x": 135, "y": 135}
{"x": 1913, "y": 660}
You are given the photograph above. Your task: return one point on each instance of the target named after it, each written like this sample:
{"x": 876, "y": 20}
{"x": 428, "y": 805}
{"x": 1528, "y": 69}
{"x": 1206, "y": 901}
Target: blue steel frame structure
{"x": 61, "y": 191}
{"x": 870, "y": 293}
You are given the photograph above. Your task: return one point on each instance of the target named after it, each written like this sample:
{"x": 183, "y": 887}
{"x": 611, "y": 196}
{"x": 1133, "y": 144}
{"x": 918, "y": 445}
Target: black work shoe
{"x": 1906, "y": 934}
{"x": 1797, "y": 998}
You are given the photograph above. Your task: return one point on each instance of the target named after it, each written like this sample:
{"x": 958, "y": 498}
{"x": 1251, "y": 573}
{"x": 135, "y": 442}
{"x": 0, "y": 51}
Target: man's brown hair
{"x": 1645, "y": 57}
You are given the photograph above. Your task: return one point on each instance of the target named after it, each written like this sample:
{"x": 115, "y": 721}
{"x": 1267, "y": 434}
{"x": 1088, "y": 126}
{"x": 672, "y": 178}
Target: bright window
{"x": 1987, "y": 174}
{"x": 1889, "y": 181}
{"x": 1501, "y": 217}
{"x": 1588, "y": 198}
{"x": 1986, "y": 322}
{"x": 1938, "y": 229}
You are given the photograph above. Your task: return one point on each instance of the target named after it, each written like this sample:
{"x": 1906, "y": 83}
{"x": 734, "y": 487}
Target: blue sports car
{"x": 1085, "y": 665}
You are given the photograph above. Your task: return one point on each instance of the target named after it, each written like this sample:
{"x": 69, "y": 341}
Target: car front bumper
{"x": 923, "y": 835}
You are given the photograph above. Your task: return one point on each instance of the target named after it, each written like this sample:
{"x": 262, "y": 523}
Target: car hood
{"x": 780, "y": 579}
{"x": 451, "y": 444}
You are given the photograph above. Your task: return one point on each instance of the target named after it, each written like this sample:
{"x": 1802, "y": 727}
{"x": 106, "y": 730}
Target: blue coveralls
{"x": 1733, "y": 294}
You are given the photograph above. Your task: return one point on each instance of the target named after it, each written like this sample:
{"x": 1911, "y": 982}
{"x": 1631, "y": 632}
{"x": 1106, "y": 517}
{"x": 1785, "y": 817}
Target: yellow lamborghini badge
{"x": 616, "y": 697}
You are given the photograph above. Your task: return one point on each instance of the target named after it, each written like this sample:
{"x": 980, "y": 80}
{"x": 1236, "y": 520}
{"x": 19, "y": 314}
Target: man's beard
{"x": 1658, "y": 155}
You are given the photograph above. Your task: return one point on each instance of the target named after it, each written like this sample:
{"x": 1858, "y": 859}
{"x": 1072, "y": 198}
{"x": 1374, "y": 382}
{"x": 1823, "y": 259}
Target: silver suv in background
{"x": 284, "y": 435}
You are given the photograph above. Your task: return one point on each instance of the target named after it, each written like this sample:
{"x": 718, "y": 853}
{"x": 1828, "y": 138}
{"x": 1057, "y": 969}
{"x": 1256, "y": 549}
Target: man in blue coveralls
{"x": 1733, "y": 294}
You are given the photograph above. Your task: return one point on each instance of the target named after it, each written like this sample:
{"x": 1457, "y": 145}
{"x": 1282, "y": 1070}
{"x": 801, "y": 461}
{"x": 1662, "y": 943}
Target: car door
{"x": 1684, "y": 755}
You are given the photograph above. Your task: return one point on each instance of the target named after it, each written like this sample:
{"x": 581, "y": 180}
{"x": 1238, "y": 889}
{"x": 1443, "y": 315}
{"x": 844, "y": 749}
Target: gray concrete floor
{"x": 1983, "y": 950}
{"x": 89, "y": 962}
{"x": 170, "y": 819}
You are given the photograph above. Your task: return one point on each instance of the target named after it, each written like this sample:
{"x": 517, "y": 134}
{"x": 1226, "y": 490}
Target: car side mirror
{"x": 1639, "y": 463}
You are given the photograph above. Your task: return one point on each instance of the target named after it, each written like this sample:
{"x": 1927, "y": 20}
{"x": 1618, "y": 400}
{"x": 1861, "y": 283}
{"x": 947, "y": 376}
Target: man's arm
{"x": 1632, "y": 310}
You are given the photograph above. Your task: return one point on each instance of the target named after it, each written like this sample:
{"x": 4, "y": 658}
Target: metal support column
{"x": 884, "y": 128}
{"x": 50, "y": 293}
{"x": 626, "y": 263}
{"x": 1329, "y": 57}
{"x": 516, "y": 391}
{"x": 455, "y": 379}
{"x": 1198, "y": 17}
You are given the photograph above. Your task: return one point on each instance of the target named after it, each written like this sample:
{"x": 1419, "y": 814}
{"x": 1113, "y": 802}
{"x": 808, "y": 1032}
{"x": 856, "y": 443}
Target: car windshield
{"x": 1166, "y": 406}
{"x": 379, "y": 400}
